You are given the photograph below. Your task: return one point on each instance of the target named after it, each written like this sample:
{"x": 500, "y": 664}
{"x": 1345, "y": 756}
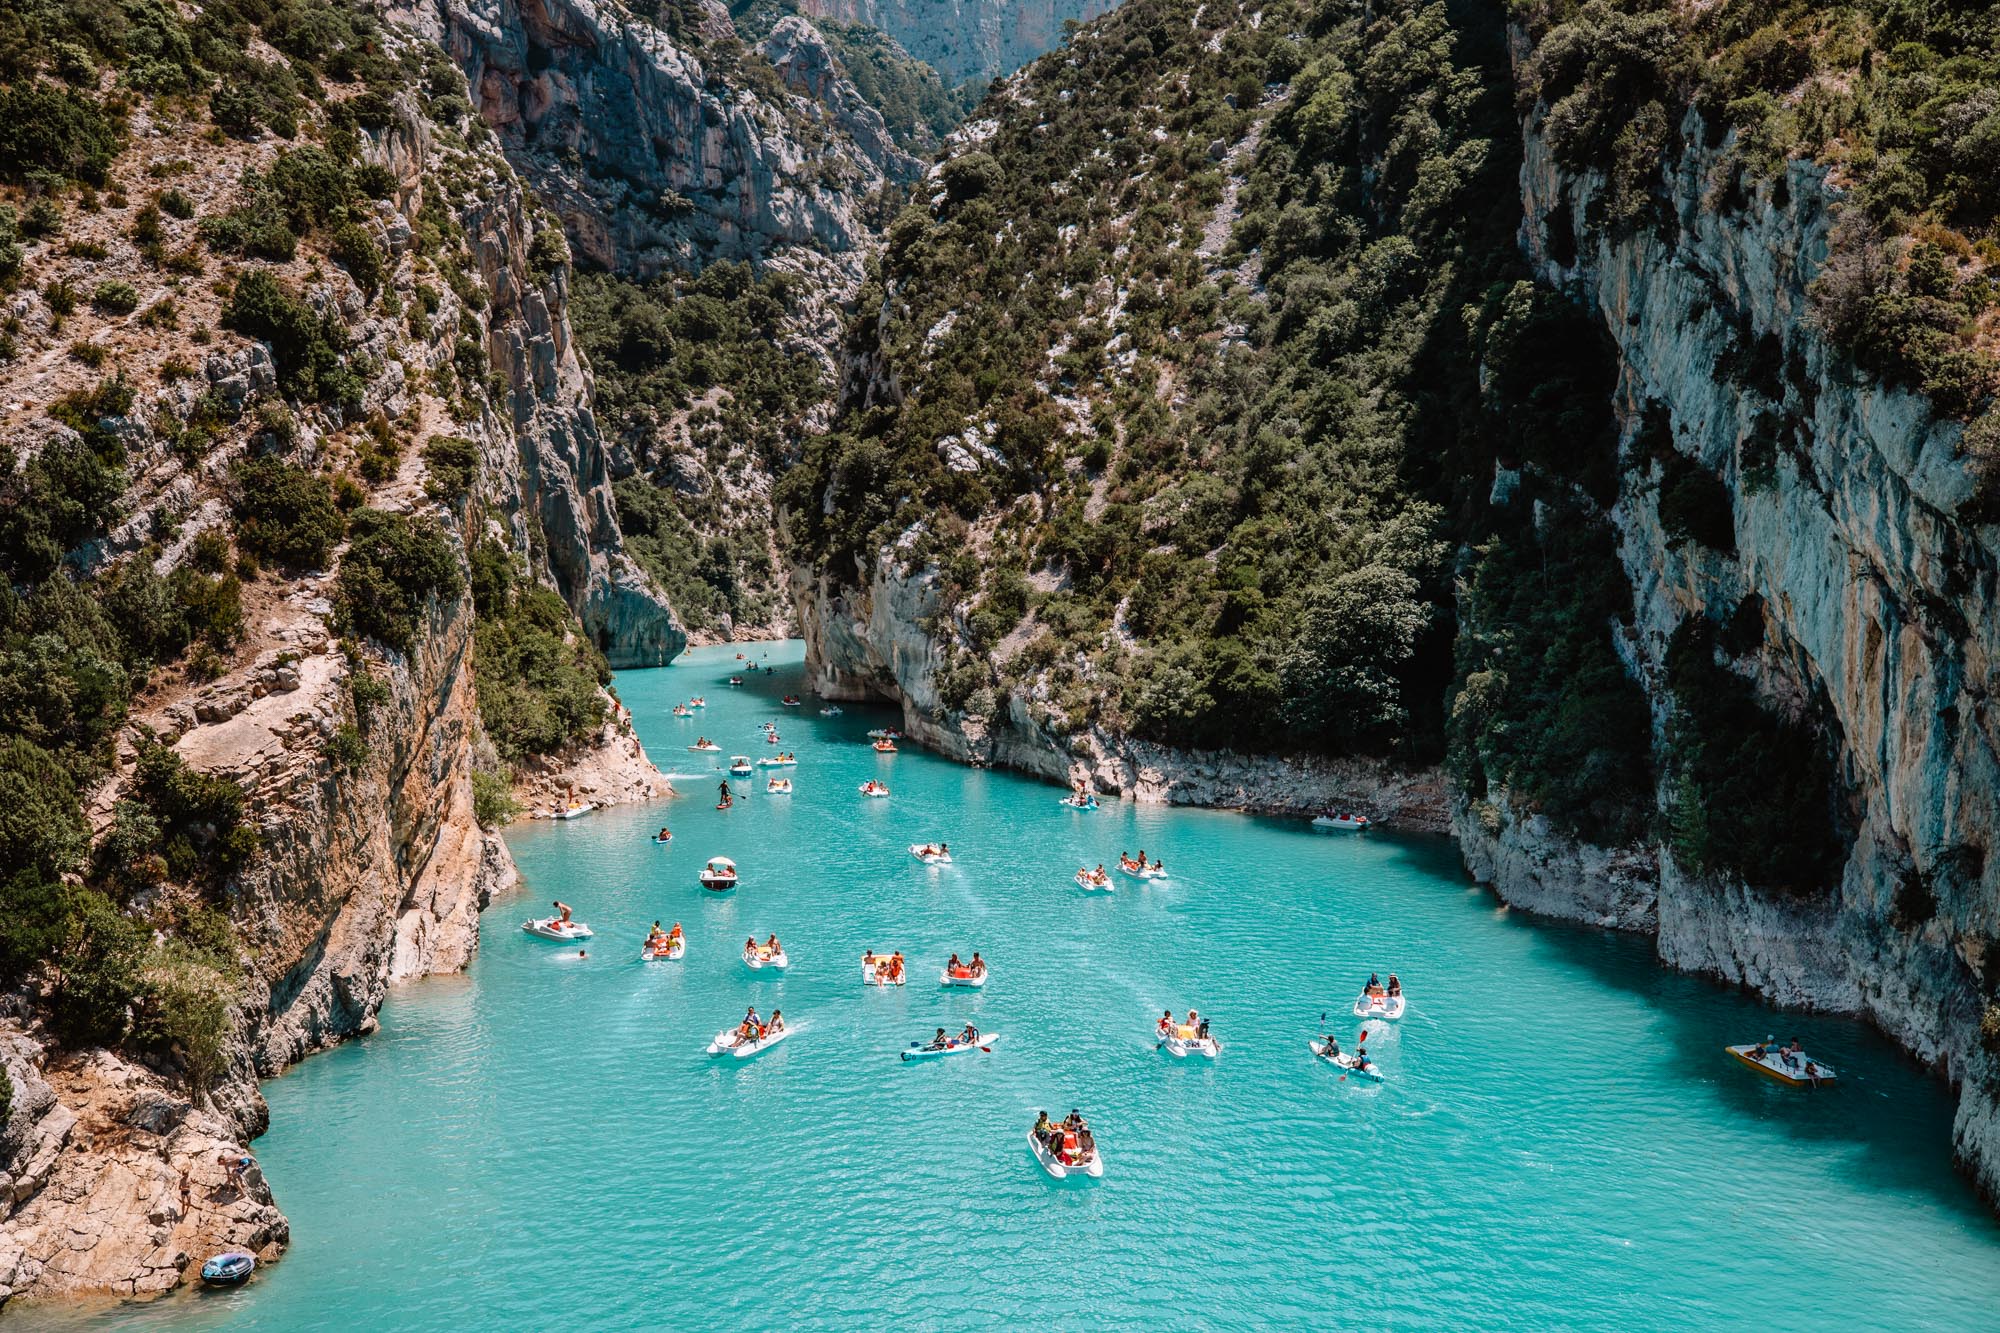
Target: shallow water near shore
{"x": 543, "y": 1143}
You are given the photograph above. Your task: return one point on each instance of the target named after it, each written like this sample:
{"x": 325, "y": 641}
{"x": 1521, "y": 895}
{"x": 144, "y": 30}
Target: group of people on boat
{"x": 1097, "y": 878}
{"x": 1374, "y": 990}
{"x": 1792, "y": 1057}
{"x": 968, "y": 1037}
{"x": 1137, "y": 864}
{"x": 753, "y": 1028}
{"x": 791, "y": 701}
{"x": 663, "y": 941}
{"x": 770, "y": 948}
{"x": 1081, "y": 795}
{"x": 934, "y": 849}
{"x": 886, "y": 967}
{"x": 964, "y": 971}
{"x": 1359, "y": 1060}
{"x": 1197, "y": 1025}
{"x": 1067, "y": 1140}
{"x": 873, "y": 788}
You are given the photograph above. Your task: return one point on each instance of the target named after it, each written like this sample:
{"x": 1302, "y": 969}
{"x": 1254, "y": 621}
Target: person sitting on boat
{"x": 1201, "y": 1030}
{"x": 751, "y": 1025}
{"x": 1374, "y": 987}
{"x": 1157, "y": 867}
{"x": 675, "y": 935}
{"x": 868, "y": 958}
{"x": 956, "y": 968}
{"x": 1166, "y": 1023}
{"x": 664, "y": 835}
{"x": 1332, "y": 1051}
{"x": 968, "y": 1037}
{"x": 977, "y": 967}
{"x": 939, "y": 1042}
{"x": 1395, "y": 986}
{"x": 771, "y": 945}
{"x": 896, "y": 966}
{"x": 776, "y": 1025}
{"x": 1793, "y": 1054}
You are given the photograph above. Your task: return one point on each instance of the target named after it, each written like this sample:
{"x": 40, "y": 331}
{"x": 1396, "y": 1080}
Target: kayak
{"x": 229, "y": 1269}
{"x": 924, "y": 1051}
{"x": 1379, "y": 1006}
{"x": 1088, "y": 884}
{"x": 549, "y": 928}
{"x": 975, "y": 980}
{"x": 1181, "y": 1047}
{"x": 929, "y": 858}
{"x": 1348, "y": 1061}
{"x": 1143, "y": 872}
{"x": 728, "y": 1040}
{"x": 1093, "y": 1168}
{"x": 761, "y": 957}
{"x": 1806, "y": 1073}
{"x": 670, "y": 954}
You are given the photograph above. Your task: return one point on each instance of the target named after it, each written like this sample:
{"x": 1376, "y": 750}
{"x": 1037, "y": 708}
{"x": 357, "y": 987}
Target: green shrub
{"x": 493, "y": 803}
{"x": 309, "y": 349}
{"x": 46, "y": 128}
{"x": 286, "y": 514}
{"x": 538, "y": 675}
{"x": 115, "y": 297}
{"x": 453, "y": 464}
{"x": 393, "y": 566}
{"x": 96, "y": 967}
{"x": 182, "y": 997}
{"x": 1695, "y": 504}
{"x": 345, "y": 749}
{"x": 355, "y": 251}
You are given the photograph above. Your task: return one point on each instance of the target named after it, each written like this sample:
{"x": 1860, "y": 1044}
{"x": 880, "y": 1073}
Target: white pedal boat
{"x": 1092, "y": 1167}
{"x": 1089, "y": 803}
{"x": 682, "y": 710}
{"x": 719, "y": 874}
{"x": 1091, "y": 884}
{"x": 1352, "y": 822}
{"x": 777, "y": 763}
{"x": 1142, "y": 872}
{"x": 779, "y": 787}
{"x": 1348, "y": 1061}
{"x": 710, "y": 748}
{"x": 697, "y": 702}
{"x": 671, "y": 954}
{"x": 551, "y": 928}
{"x": 919, "y": 1050}
{"x": 830, "y": 712}
{"x": 1385, "y": 1007}
{"x": 729, "y": 1041}
{"x": 760, "y": 957}
{"x": 929, "y": 858}
{"x": 876, "y": 973}
{"x": 875, "y": 790}
{"x": 739, "y": 766}
{"x": 1180, "y": 1042}
{"x": 573, "y": 811}
{"x": 972, "y": 979}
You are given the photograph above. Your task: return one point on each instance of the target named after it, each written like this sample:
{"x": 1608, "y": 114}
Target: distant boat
{"x": 1343, "y": 821}
{"x": 229, "y": 1269}
{"x": 1796, "y": 1071}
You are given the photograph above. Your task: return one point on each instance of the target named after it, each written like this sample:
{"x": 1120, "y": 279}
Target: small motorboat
{"x": 873, "y": 788}
{"x": 682, "y": 710}
{"x": 964, "y": 976}
{"x": 706, "y": 747}
{"x": 878, "y": 969}
{"x": 885, "y": 747}
{"x": 1075, "y": 802}
{"x": 923, "y": 1050}
{"x": 669, "y": 951}
{"x": 1181, "y": 1041}
{"x": 719, "y": 874}
{"x": 790, "y": 701}
{"x": 779, "y": 786}
{"x": 739, "y": 766}
{"x": 1091, "y": 1165}
{"x": 231, "y": 1268}
{"x": 1342, "y": 820}
{"x": 1346, "y": 1060}
{"x": 1140, "y": 870}
{"x": 761, "y": 957}
{"x": 1388, "y": 1007}
{"x": 929, "y": 855}
{"x": 554, "y": 928}
{"x": 730, "y": 1041}
{"x": 1795, "y": 1071}
{"x": 833, "y": 711}
{"x": 1092, "y": 882}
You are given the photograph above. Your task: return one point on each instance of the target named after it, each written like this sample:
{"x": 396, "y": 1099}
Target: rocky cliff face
{"x": 118, "y": 1178}
{"x": 1877, "y": 600}
{"x": 662, "y": 153}
{"x": 967, "y": 39}
{"x": 871, "y": 643}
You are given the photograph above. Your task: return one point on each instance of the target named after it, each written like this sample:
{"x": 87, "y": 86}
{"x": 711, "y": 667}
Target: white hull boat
{"x": 1093, "y": 1167}
{"x": 1174, "y": 1044}
{"x": 1143, "y": 872}
{"x": 919, "y": 1050}
{"x": 1349, "y": 823}
{"x": 1075, "y": 804}
{"x": 873, "y": 974}
{"x": 728, "y": 1041}
{"x": 573, "y": 811}
{"x": 706, "y": 749}
{"x": 1088, "y": 884}
{"x": 1346, "y": 1060}
{"x": 563, "y": 932}
{"x": 671, "y": 954}
{"x": 929, "y": 858}
{"x": 872, "y": 792}
{"x": 759, "y": 958}
{"x": 972, "y": 980}
{"x": 1383, "y": 1008}
{"x": 778, "y": 787}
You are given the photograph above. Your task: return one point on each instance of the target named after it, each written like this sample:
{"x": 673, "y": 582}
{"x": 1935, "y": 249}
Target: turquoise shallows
{"x": 1562, "y": 1143}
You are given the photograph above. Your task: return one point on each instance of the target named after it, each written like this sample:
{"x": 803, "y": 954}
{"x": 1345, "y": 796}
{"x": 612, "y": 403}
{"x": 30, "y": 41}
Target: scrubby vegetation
{"x": 539, "y": 679}
{"x": 395, "y": 568}
{"x": 698, "y": 378}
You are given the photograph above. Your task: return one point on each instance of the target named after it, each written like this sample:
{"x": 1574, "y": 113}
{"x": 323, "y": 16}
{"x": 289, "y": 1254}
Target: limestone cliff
{"x": 967, "y": 39}
{"x": 1876, "y": 600}
{"x": 659, "y": 151}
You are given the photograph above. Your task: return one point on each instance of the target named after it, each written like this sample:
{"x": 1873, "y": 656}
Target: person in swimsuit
{"x": 938, "y": 1042}
{"x": 978, "y": 964}
{"x": 777, "y": 1023}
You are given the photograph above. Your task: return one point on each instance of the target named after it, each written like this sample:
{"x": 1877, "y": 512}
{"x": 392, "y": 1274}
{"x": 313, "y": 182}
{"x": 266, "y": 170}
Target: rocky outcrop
{"x": 1877, "y": 601}
{"x": 610, "y": 769}
{"x": 1535, "y": 868}
{"x": 967, "y": 39}
{"x": 658, "y": 153}
{"x": 871, "y": 643}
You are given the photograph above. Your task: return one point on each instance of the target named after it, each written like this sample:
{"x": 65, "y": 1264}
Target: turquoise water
{"x": 543, "y": 1143}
